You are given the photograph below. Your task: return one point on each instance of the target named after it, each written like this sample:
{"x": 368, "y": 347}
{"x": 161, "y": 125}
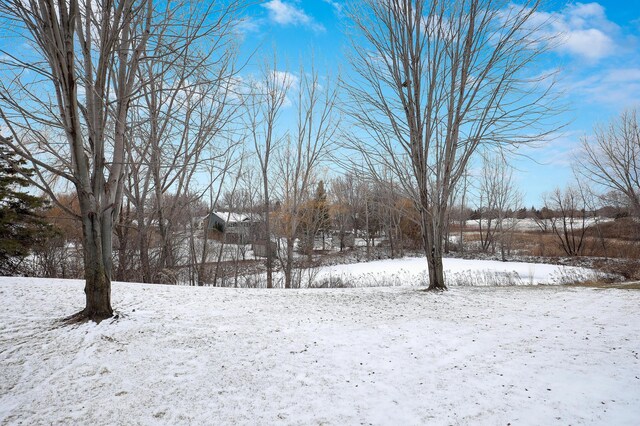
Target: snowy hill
{"x": 180, "y": 355}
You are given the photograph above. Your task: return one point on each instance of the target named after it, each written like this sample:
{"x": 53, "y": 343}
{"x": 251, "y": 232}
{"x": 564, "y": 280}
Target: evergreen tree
{"x": 321, "y": 212}
{"x": 21, "y": 226}
{"x": 322, "y": 218}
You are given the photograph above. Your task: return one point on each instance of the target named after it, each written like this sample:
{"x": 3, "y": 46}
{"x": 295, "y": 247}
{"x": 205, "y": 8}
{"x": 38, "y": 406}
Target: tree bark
{"x": 433, "y": 249}
{"x": 267, "y": 231}
{"x": 97, "y": 273}
{"x": 288, "y": 267}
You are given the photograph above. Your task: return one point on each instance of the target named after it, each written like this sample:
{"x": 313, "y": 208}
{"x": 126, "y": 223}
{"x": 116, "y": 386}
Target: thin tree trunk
{"x": 267, "y": 230}
{"x": 143, "y": 248}
{"x": 288, "y": 267}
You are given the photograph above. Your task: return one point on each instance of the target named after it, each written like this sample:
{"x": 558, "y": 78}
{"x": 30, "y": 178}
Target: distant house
{"x": 237, "y": 228}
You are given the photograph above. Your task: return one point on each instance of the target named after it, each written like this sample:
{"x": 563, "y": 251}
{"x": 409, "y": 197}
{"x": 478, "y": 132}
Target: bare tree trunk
{"x": 434, "y": 254}
{"x": 367, "y": 228}
{"x": 288, "y": 266}
{"x": 97, "y": 274}
{"x": 571, "y": 227}
{"x": 297, "y": 163}
{"x": 267, "y": 231}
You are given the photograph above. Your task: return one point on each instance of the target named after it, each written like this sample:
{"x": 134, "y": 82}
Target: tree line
{"x": 350, "y": 216}
{"x": 141, "y": 111}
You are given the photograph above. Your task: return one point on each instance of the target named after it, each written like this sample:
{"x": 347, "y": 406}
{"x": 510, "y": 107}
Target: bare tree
{"x": 542, "y": 218}
{"x": 219, "y": 172}
{"x": 570, "y": 223}
{"x": 390, "y": 195}
{"x": 179, "y": 127}
{"x": 340, "y": 209}
{"x": 347, "y": 194}
{"x": 263, "y": 105}
{"x": 498, "y": 196}
{"x": 612, "y": 157}
{"x": 236, "y": 199}
{"x": 437, "y": 80}
{"x": 188, "y": 113}
{"x": 301, "y": 158}
{"x": 462, "y": 212}
{"x": 89, "y": 55}
{"x": 384, "y": 213}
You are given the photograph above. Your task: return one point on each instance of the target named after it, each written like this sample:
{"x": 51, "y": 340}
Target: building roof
{"x": 233, "y": 217}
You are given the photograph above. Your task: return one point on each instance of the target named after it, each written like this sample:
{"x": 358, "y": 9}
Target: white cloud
{"x": 580, "y": 15}
{"x": 618, "y": 88}
{"x": 284, "y": 13}
{"x": 591, "y": 43}
{"x": 284, "y": 79}
{"x": 584, "y": 31}
{"x": 623, "y": 75}
{"x": 247, "y": 25}
{"x": 280, "y": 82}
{"x": 608, "y": 76}
{"x": 337, "y": 7}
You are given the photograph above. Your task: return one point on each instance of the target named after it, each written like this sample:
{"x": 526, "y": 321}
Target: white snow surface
{"x": 529, "y": 224}
{"x": 384, "y": 356}
{"x": 458, "y": 272}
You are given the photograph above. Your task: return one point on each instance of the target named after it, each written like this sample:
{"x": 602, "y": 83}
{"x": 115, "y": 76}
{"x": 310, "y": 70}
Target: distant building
{"x": 235, "y": 228}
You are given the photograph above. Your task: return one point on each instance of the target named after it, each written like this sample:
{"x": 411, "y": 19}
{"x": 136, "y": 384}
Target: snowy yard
{"x": 180, "y": 355}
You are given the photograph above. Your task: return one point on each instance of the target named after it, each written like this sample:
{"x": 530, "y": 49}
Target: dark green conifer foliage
{"x": 21, "y": 226}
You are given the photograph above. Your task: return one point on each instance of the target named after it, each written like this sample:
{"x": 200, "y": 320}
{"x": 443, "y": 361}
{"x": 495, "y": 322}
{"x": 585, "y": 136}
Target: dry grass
{"x": 627, "y": 268}
{"x": 539, "y": 244}
{"x": 612, "y": 248}
{"x": 625, "y": 228}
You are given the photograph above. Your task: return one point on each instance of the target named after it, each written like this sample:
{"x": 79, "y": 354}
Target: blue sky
{"x": 598, "y": 64}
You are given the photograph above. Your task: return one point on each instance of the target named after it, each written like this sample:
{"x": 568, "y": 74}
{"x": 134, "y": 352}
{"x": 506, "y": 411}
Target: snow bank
{"x": 180, "y": 355}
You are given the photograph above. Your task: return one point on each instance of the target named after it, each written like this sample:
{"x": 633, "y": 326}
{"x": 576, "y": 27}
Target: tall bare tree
{"x": 436, "y": 80}
{"x": 349, "y": 194}
{"x": 305, "y": 150}
{"x": 611, "y": 158}
{"x": 179, "y": 122}
{"x": 88, "y": 54}
{"x": 263, "y": 105}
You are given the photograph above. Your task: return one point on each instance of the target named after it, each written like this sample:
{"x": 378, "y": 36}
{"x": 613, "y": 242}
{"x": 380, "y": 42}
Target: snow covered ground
{"x": 458, "y": 272}
{"x": 395, "y": 355}
{"x": 529, "y": 224}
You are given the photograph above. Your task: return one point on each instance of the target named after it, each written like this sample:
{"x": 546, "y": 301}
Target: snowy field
{"x": 458, "y": 272}
{"x": 529, "y": 224}
{"x": 390, "y": 356}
